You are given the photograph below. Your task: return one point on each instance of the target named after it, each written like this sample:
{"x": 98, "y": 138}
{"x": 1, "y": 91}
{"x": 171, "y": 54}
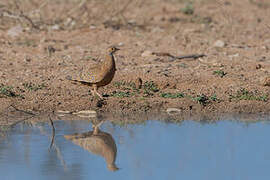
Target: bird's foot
{"x": 99, "y": 95}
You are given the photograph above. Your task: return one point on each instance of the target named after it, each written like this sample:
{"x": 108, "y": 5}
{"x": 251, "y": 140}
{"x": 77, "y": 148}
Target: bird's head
{"x": 112, "y": 49}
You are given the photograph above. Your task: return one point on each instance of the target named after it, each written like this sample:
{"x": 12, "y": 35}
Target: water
{"x": 156, "y": 150}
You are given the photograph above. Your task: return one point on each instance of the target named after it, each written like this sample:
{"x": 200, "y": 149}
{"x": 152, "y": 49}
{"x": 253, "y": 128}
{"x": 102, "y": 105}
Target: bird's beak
{"x": 116, "y": 49}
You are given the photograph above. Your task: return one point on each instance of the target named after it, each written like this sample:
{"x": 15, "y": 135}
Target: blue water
{"x": 156, "y": 150}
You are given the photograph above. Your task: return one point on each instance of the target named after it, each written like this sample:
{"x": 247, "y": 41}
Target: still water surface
{"x": 154, "y": 150}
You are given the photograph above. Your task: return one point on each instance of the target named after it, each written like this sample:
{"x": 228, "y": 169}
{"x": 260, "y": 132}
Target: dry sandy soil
{"x": 41, "y": 42}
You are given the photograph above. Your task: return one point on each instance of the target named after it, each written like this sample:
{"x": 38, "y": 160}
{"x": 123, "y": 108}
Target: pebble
{"x": 62, "y": 113}
{"x": 233, "y": 56}
{"x": 55, "y": 27}
{"x": 85, "y": 112}
{"x": 258, "y": 66}
{"x": 266, "y": 81}
{"x": 15, "y": 31}
{"x": 219, "y": 44}
{"x": 120, "y": 44}
{"x": 173, "y": 111}
{"x": 147, "y": 53}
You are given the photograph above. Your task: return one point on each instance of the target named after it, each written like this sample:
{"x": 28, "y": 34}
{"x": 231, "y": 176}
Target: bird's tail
{"x": 74, "y": 80}
{"x": 70, "y": 78}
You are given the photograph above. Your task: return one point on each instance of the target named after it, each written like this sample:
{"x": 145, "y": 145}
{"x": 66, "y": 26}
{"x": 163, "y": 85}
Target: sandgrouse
{"x": 98, "y": 75}
{"x": 97, "y": 142}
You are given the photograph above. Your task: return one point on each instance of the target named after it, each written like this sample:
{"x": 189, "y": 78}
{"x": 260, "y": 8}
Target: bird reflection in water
{"x": 97, "y": 142}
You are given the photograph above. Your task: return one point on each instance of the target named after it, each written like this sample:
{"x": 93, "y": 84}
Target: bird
{"x": 98, "y": 75}
{"x": 97, "y": 142}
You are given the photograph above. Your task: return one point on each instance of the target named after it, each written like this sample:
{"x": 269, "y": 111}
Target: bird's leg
{"x": 95, "y": 91}
{"x": 96, "y": 127}
{"x": 92, "y": 92}
{"x": 96, "y": 130}
{"x": 100, "y": 123}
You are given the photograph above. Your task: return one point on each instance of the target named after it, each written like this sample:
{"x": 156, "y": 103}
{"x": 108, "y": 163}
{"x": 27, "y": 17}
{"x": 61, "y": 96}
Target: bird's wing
{"x": 89, "y": 74}
{"x": 92, "y": 74}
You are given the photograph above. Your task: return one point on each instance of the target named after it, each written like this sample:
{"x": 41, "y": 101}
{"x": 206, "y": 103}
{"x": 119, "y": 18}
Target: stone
{"x": 147, "y": 53}
{"x": 15, "y": 31}
{"x": 55, "y": 27}
{"x": 266, "y": 81}
{"x": 173, "y": 111}
{"x": 219, "y": 44}
{"x": 85, "y": 112}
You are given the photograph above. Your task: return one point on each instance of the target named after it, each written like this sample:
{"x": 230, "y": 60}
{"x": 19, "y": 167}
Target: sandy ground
{"x": 62, "y": 37}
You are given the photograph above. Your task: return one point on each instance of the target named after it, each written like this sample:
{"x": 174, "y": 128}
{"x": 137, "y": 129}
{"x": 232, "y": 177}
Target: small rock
{"x": 258, "y": 66}
{"x": 266, "y": 81}
{"x": 86, "y": 113}
{"x": 92, "y": 27}
{"x": 68, "y": 21}
{"x": 15, "y": 31}
{"x": 233, "y": 56}
{"x": 62, "y": 113}
{"x": 120, "y": 44}
{"x": 73, "y": 23}
{"x": 173, "y": 111}
{"x": 132, "y": 21}
{"x": 50, "y": 50}
{"x": 55, "y": 27}
{"x": 157, "y": 30}
{"x": 219, "y": 44}
{"x": 147, "y": 53}
{"x": 27, "y": 59}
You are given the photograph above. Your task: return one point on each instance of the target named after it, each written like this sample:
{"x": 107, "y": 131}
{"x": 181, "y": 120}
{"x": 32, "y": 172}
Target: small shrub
{"x": 172, "y": 95}
{"x": 201, "y": 99}
{"x": 149, "y": 88}
{"x": 121, "y": 94}
{"x": 220, "y": 73}
{"x": 33, "y": 87}
{"x": 7, "y": 91}
{"x": 244, "y": 94}
{"x": 188, "y": 9}
{"x": 214, "y": 97}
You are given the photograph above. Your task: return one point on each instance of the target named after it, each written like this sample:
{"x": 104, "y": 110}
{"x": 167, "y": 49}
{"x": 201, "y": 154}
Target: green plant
{"x": 149, "y": 88}
{"x": 125, "y": 85}
{"x": 220, "y": 73}
{"x": 244, "y": 94}
{"x": 33, "y": 87}
{"x": 7, "y": 91}
{"x": 172, "y": 95}
{"x": 188, "y": 9}
{"x": 201, "y": 99}
{"x": 213, "y": 97}
{"x": 121, "y": 94}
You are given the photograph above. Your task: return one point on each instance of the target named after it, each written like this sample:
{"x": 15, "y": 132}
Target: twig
{"x": 123, "y": 9}
{"x": 58, "y": 151}
{"x": 20, "y": 121}
{"x": 20, "y": 16}
{"x": 191, "y": 56}
{"x": 26, "y": 112}
{"x": 53, "y": 131}
{"x": 77, "y": 7}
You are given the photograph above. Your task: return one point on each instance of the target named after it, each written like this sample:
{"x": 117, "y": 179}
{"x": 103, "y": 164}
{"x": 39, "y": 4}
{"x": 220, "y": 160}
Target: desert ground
{"x": 41, "y": 42}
